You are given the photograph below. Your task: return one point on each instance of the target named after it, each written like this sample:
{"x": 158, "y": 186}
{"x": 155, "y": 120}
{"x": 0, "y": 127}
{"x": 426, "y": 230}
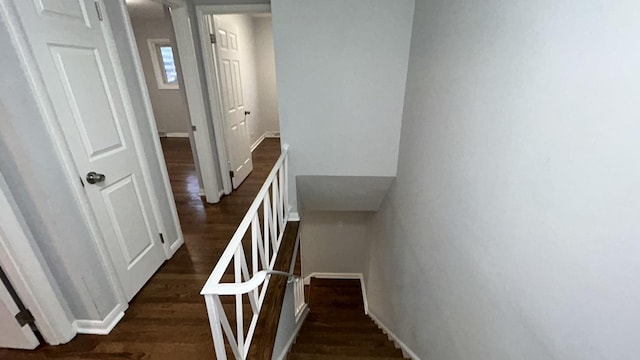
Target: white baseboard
{"x": 201, "y": 192}
{"x": 100, "y": 327}
{"x": 272, "y": 134}
{"x": 406, "y": 351}
{"x": 294, "y": 216}
{"x": 174, "y": 135}
{"x": 175, "y": 246}
{"x": 257, "y": 142}
{"x": 292, "y": 339}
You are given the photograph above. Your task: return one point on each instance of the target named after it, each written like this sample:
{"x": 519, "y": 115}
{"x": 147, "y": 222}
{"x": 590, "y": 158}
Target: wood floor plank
{"x": 168, "y": 319}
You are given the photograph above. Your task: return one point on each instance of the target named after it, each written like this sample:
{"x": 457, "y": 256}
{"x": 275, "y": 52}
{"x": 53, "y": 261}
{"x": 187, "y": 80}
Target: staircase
{"x": 337, "y": 327}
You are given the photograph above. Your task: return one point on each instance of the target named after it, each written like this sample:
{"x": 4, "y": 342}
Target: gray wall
{"x": 37, "y": 181}
{"x": 512, "y": 229}
{"x": 266, "y": 74}
{"x": 334, "y": 242}
{"x": 341, "y": 68}
{"x": 169, "y": 105}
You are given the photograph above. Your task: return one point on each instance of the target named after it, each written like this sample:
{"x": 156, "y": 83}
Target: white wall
{"x": 266, "y": 75}
{"x": 512, "y": 229}
{"x": 169, "y": 105}
{"x": 334, "y": 242}
{"x": 341, "y": 68}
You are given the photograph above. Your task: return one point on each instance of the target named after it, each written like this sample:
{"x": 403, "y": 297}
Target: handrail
{"x": 250, "y": 277}
{"x": 247, "y": 286}
{"x": 229, "y": 252}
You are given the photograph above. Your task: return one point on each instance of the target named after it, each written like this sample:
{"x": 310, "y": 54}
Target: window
{"x": 164, "y": 65}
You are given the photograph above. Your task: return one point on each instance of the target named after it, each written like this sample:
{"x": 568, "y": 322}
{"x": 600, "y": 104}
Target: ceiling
{"x": 145, "y": 9}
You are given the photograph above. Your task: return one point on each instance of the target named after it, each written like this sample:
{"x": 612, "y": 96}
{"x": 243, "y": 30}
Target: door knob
{"x": 93, "y": 177}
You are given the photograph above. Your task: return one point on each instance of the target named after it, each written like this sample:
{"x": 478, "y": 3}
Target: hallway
{"x": 167, "y": 319}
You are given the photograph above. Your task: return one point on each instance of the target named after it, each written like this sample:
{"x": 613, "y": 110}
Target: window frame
{"x": 158, "y": 64}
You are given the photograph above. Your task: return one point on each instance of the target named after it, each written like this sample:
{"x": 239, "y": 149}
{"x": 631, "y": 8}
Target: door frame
{"x": 29, "y": 275}
{"x": 212, "y": 75}
{"x": 195, "y": 98}
{"x": 19, "y": 40}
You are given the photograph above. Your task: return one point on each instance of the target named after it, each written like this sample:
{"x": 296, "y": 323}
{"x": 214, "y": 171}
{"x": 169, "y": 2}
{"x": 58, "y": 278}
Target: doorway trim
{"x": 195, "y": 97}
{"x": 29, "y": 274}
{"x": 212, "y": 76}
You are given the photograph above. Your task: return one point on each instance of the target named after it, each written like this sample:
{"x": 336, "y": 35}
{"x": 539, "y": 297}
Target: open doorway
{"x": 239, "y": 63}
{"x": 156, "y": 43}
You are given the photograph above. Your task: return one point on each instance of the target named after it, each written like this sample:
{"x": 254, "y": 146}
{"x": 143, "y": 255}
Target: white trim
{"x": 100, "y": 327}
{"x": 146, "y": 99}
{"x": 158, "y": 70}
{"x": 234, "y": 9}
{"x": 272, "y": 134}
{"x": 294, "y": 335}
{"x": 293, "y": 216}
{"x": 406, "y": 351}
{"x": 215, "y": 101}
{"x": 196, "y": 102}
{"x": 174, "y": 135}
{"x": 330, "y": 275}
{"x": 30, "y": 276}
{"x": 176, "y": 245}
{"x": 35, "y": 82}
{"x": 257, "y": 142}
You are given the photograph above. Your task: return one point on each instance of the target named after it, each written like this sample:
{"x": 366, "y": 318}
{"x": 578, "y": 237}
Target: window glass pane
{"x": 166, "y": 54}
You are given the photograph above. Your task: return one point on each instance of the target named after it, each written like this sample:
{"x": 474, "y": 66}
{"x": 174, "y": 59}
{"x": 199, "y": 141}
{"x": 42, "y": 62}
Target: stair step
{"x": 336, "y": 357}
{"x": 340, "y": 339}
{"x": 337, "y": 327}
{"x": 380, "y": 351}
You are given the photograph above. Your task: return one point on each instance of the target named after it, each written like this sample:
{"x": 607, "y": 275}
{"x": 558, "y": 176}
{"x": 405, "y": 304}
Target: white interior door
{"x": 12, "y": 335}
{"x": 74, "y": 51}
{"x": 233, "y": 108}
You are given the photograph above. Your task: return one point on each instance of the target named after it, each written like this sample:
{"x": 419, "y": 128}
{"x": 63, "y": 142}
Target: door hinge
{"x": 193, "y": 128}
{"x": 161, "y": 238}
{"x": 98, "y": 10}
{"x": 231, "y": 173}
{"x": 212, "y": 37}
{"x": 25, "y": 317}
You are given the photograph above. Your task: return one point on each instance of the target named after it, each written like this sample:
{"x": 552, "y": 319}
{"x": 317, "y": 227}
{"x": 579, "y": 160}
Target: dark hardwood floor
{"x": 167, "y": 319}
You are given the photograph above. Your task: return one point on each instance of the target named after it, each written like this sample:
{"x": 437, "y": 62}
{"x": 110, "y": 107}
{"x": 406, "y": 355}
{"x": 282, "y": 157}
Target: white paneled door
{"x": 73, "y": 49}
{"x": 233, "y": 106}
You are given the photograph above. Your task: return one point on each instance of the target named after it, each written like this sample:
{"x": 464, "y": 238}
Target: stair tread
{"x": 378, "y": 351}
{"x": 337, "y": 327}
{"x": 336, "y": 357}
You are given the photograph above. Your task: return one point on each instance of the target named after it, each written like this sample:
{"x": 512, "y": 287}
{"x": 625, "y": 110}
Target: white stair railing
{"x": 249, "y": 278}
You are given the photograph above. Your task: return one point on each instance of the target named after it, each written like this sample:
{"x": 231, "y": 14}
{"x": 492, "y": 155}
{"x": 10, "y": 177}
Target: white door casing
{"x": 73, "y": 50}
{"x": 12, "y": 335}
{"x": 233, "y": 107}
